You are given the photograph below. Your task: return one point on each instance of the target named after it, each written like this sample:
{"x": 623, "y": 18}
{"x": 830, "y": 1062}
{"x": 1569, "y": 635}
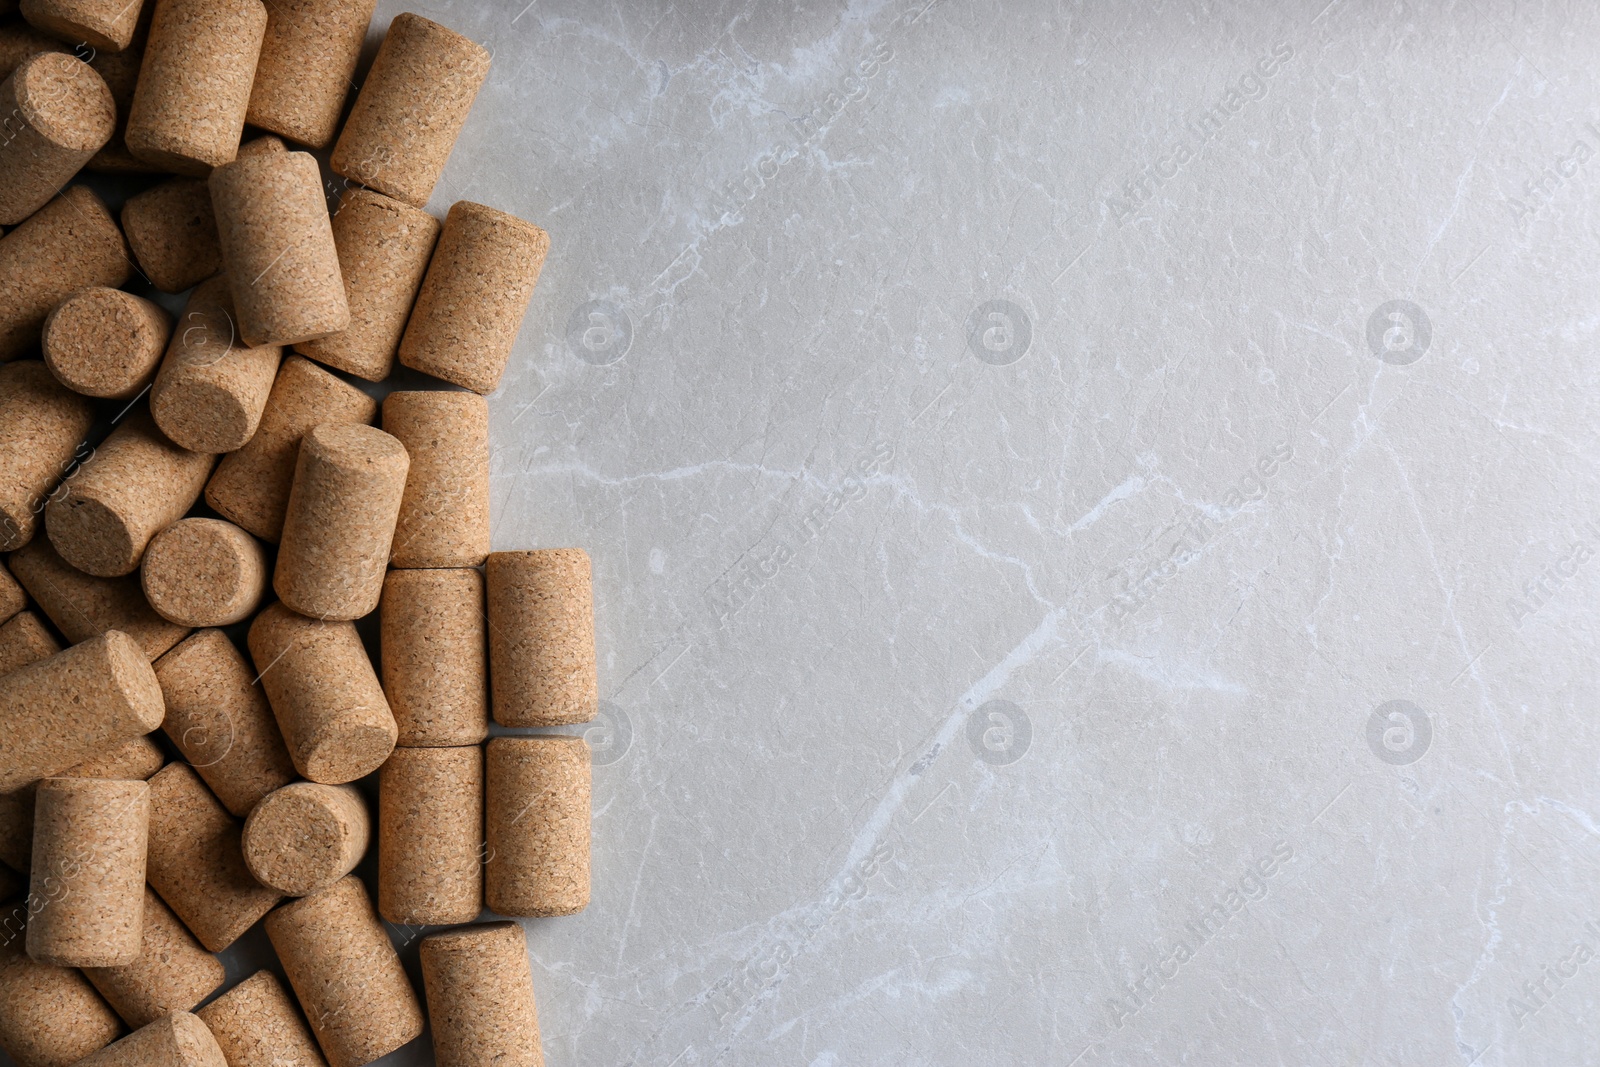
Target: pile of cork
{"x": 162, "y": 479}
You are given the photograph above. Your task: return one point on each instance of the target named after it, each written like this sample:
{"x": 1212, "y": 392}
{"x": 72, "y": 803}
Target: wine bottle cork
{"x": 171, "y": 973}
{"x": 176, "y": 1040}
{"x": 277, "y": 243}
{"x": 306, "y": 836}
{"x": 105, "y": 342}
{"x": 346, "y": 974}
{"x": 257, "y": 1025}
{"x": 536, "y": 805}
{"x": 220, "y": 720}
{"x": 479, "y": 988}
{"x": 137, "y": 759}
{"x": 107, "y": 25}
{"x": 59, "y": 113}
{"x": 42, "y": 429}
{"x": 251, "y": 486}
{"x": 188, "y": 111}
{"x": 120, "y": 70}
{"x": 541, "y": 637}
{"x": 444, "y": 516}
{"x": 435, "y": 657}
{"x": 477, "y": 290}
{"x": 327, "y": 700}
{"x": 24, "y": 639}
{"x": 82, "y": 606}
{"x": 195, "y": 860}
{"x": 410, "y": 109}
{"x": 19, "y": 41}
{"x": 430, "y": 835}
{"x": 172, "y": 231}
{"x": 339, "y": 527}
{"x": 71, "y": 242}
{"x": 307, "y": 60}
{"x": 384, "y": 246}
{"x": 88, "y": 870}
{"x": 49, "y": 1016}
{"x": 204, "y": 572}
{"x": 212, "y": 387}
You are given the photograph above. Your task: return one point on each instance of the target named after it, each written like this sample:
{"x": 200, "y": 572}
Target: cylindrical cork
{"x": 307, "y": 60}
{"x": 277, "y": 243}
{"x": 135, "y": 485}
{"x": 541, "y": 637}
{"x": 105, "y": 342}
{"x": 444, "y": 516}
{"x": 176, "y": 1040}
{"x": 58, "y": 114}
{"x": 346, "y": 974}
{"x": 384, "y": 246}
{"x": 196, "y": 863}
{"x": 188, "y": 111}
{"x": 257, "y": 1025}
{"x": 49, "y": 1016}
{"x": 435, "y": 659}
{"x": 339, "y": 527}
{"x": 212, "y": 387}
{"x": 172, "y": 972}
{"x": 220, "y": 720}
{"x": 108, "y": 25}
{"x": 88, "y": 867}
{"x": 306, "y": 836}
{"x": 536, "y": 818}
{"x": 173, "y": 233}
{"x": 25, "y": 639}
{"x": 329, "y": 705}
{"x": 430, "y": 835}
{"x": 479, "y": 987}
{"x": 71, "y": 242}
{"x": 133, "y": 760}
{"x": 472, "y": 302}
{"x": 82, "y": 606}
{"x": 19, "y": 41}
{"x": 204, "y": 572}
{"x": 410, "y": 109}
{"x": 42, "y": 427}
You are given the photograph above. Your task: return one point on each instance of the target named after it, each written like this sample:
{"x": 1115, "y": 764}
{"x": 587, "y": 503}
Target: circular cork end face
{"x": 355, "y": 447}
{"x": 135, "y": 678}
{"x": 202, "y": 417}
{"x": 294, "y": 843}
{"x": 91, "y": 536}
{"x": 105, "y": 343}
{"x": 66, "y": 101}
{"x": 354, "y": 751}
{"x": 203, "y": 572}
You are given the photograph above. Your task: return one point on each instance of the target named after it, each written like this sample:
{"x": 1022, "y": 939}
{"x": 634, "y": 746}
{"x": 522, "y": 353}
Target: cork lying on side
{"x": 176, "y": 1040}
{"x": 479, "y": 987}
{"x": 536, "y": 806}
{"x": 308, "y": 59}
{"x": 83, "y": 606}
{"x": 42, "y": 429}
{"x": 444, "y": 516}
{"x": 435, "y": 656}
{"x": 541, "y": 637}
{"x": 107, "y": 25}
{"x": 212, "y": 388}
{"x": 49, "y": 1016}
{"x": 105, "y": 342}
{"x": 430, "y": 837}
{"x": 69, "y": 243}
{"x": 172, "y": 231}
{"x": 257, "y": 1025}
{"x": 171, "y": 973}
{"x": 59, "y": 114}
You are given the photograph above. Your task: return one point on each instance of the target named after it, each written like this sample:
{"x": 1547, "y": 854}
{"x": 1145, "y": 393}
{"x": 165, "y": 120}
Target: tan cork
{"x": 49, "y": 1016}
{"x": 171, "y": 973}
{"x": 195, "y": 862}
{"x": 25, "y": 639}
{"x": 176, "y": 1040}
{"x": 204, "y": 572}
{"x": 329, "y": 705}
{"x": 339, "y": 527}
{"x": 536, "y": 805}
{"x": 541, "y": 637}
{"x": 83, "y": 606}
{"x": 444, "y": 517}
{"x": 59, "y": 113}
{"x": 42, "y": 429}
{"x": 307, "y": 60}
{"x": 251, "y": 486}
{"x": 105, "y": 342}
{"x": 88, "y": 870}
{"x": 384, "y": 246}
{"x": 410, "y": 109}
{"x": 257, "y": 1025}
{"x": 137, "y": 759}
{"x": 212, "y": 387}
{"x": 12, "y": 597}
{"x": 69, "y": 243}
{"x": 435, "y": 657}
{"x": 220, "y": 720}
{"x": 121, "y": 73}
{"x": 19, "y": 41}
{"x": 479, "y": 284}
{"x": 107, "y": 25}
{"x": 188, "y": 111}
{"x": 479, "y": 986}
{"x": 430, "y": 835}
{"x": 172, "y": 231}
{"x": 306, "y": 836}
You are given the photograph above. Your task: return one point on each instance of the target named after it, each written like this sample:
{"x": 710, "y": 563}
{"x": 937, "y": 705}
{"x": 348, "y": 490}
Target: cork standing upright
{"x": 541, "y": 637}
{"x": 308, "y": 57}
{"x": 59, "y": 114}
{"x": 536, "y": 808}
{"x": 171, "y": 973}
{"x": 42, "y": 425}
{"x": 257, "y": 1025}
{"x": 89, "y": 837}
{"x": 212, "y": 387}
{"x": 69, "y": 243}
{"x": 479, "y": 988}
{"x": 444, "y": 516}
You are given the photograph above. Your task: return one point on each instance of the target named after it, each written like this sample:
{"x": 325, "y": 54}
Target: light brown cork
{"x": 346, "y": 974}
{"x": 541, "y": 637}
{"x": 444, "y": 517}
{"x": 19, "y": 41}
{"x": 536, "y": 807}
{"x": 195, "y": 862}
{"x": 307, "y": 60}
{"x": 176, "y": 1040}
{"x": 212, "y": 387}
{"x": 220, "y": 720}
{"x": 12, "y": 598}
{"x": 171, "y": 973}
{"x": 83, "y": 606}
{"x": 251, "y": 486}
{"x": 384, "y": 246}
{"x": 121, "y": 73}
{"x": 188, "y": 111}
{"x": 88, "y": 871}
{"x": 479, "y": 986}
{"x": 25, "y": 639}
{"x": 306, "y": 836}
{"x": 430, "y": 835}
{"x": 257, "y": 1025}
{"x": 69, "y": 243}
{"x": 472, "y": 302}
{"x": 204, "y": 572}
{"x": 105, "y": 342}
{"x": 435, "y": 656}
{"x": 49, "y": 1016}
{"x": 172, "y": 231}
{"x": 137, "y": 759}
{"x": 339, "y": 527}
{"x": 410, "y": 109}
{"x": 108, "y": 25}
{"x": 327, "y": 700}
{"x": 59, "y": 113}
{"x": 42, "y": 429}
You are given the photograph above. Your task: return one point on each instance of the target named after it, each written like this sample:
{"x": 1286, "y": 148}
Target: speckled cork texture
{"x": 344, "y": 971}
{"x": 257, "y": 1024}
{"x": 541, "y": 637}
{"x": 330, "y": 708}
{"x": 410, "y": 109}
{"x": 24, "y": 639}
{"x": 536, "y": 808}
{"x": 107, "y": 25}
{"x": 83, "y": 606}
{"x": 104, "y": 342}
{"x": 220, "y": 720}
{"x": 435, "y": 656}
{"x": 69, "y": 243}
{"x": 430, "y": 835}
{"x": 473, "y": 300}
{"x": 136, "y": 759}
{"x": 308, "y": 57}
{"x": 188, "y": 111}
{"x": 212, "y": 387}
{"x": 171, "y": 973}
{"x": 251, "y": 486}
{"x": 479, "y": 988}
{"x": 172, "y": 231}
{"x": 19, "y": 41}
{"x": 384, "y": 246}
{"x": 88, "y": 871}
{"x": 339, "y": 526}
{"x": 204, "y": 572}
{"x": 60, "y": 114}
{"x": 195, "y": 862}
{"x": 49, "y": 1016}
{"x": 306, "y": 836}
{"x": 42, "y": 429}
{"x": 444, "y": 516}
{"x": 176, "y": 1040}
